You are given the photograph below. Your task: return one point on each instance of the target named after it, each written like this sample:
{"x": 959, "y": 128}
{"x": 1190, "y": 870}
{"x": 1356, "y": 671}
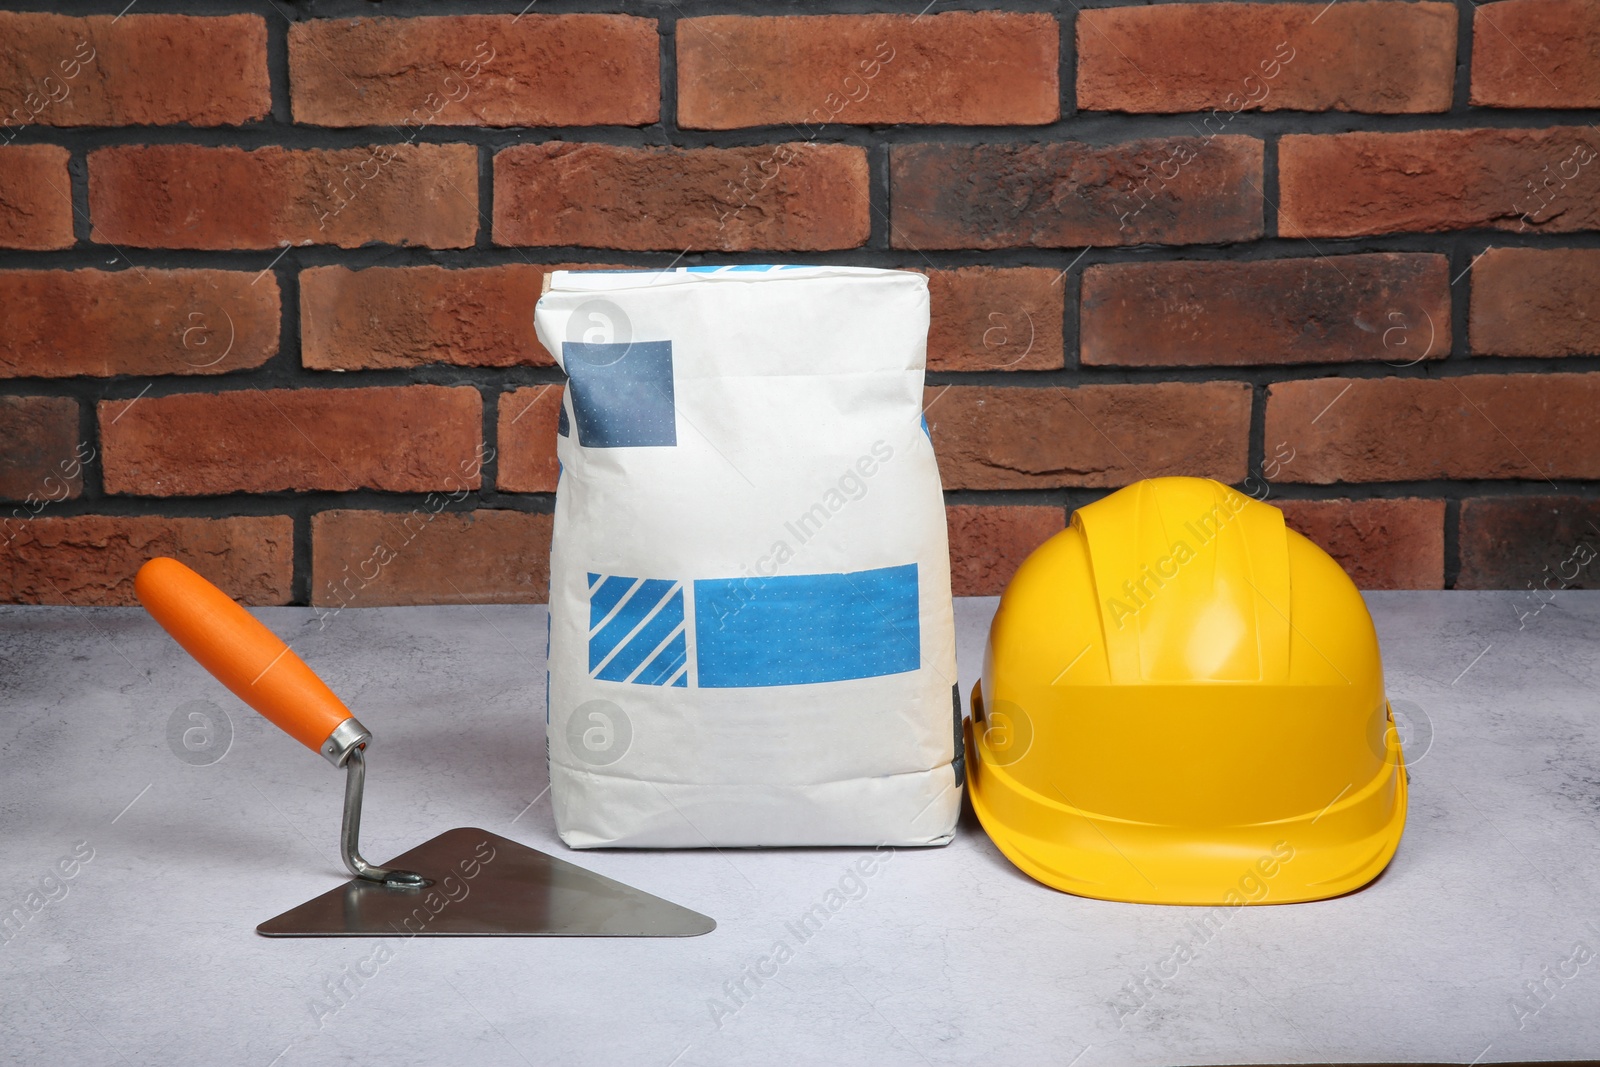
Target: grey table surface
{"x": 148, "y": 954}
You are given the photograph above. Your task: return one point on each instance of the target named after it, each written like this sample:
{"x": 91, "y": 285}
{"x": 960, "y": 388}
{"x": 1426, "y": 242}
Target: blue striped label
{"x": 636, "y": 631}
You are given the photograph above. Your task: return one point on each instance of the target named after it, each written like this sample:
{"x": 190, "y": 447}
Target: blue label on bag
{"x": 636, "y": 631}
{"x": 622, "y": 393}
{"x": 754, "y": 632}
{"x": 806, "y": 628}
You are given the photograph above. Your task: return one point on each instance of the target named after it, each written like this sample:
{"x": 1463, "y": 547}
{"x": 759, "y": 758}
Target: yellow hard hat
{"x": 1182, "y": 703}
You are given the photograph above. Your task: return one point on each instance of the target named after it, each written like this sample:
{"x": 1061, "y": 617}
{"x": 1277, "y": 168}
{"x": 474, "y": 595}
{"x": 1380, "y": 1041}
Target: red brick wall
{"x": 266, "y": 280}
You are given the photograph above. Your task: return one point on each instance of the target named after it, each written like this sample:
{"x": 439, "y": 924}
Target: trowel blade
{"x": 487, "y": 886}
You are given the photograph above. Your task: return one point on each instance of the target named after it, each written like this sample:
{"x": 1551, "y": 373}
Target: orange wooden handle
{"x": 241, "y": 653}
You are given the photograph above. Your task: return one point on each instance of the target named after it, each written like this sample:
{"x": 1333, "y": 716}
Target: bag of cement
{"x": 751, "y": 633}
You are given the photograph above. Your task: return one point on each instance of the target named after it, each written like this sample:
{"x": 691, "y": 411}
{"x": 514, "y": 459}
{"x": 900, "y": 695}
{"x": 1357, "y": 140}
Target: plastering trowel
{"x": 463, "y": 883}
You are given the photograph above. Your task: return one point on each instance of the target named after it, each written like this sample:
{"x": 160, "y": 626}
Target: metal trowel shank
{"x": 487, "y": 886}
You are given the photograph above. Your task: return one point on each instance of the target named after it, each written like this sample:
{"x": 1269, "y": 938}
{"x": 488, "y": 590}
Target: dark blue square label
{"x": 621, "y": 393}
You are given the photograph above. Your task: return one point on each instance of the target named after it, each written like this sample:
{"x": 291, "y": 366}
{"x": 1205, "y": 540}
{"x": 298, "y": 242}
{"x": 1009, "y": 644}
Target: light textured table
{"x": 951, "y": 956}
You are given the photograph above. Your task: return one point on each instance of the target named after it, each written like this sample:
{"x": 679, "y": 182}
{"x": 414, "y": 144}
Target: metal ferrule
{"x": 345, "y": 739}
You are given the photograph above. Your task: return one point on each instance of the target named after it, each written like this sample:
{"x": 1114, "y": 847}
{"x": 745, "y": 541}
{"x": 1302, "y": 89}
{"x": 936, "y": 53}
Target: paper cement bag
{"x": 751, "y": 632}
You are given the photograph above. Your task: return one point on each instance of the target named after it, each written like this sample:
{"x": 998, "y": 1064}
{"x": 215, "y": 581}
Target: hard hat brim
{"x": 1313, "y": 856}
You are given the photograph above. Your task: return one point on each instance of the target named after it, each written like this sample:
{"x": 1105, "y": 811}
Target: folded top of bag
{"x": 591, "y": 280}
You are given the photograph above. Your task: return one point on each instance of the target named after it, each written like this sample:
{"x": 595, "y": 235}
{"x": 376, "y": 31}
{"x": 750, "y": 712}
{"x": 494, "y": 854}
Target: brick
{"x": 475, "y": 70}
{"x": 1388, "y": 58}
{"x": 1063, "y": 194}
{"x": 526, "y": 447}
{"x": 788, "y": 197}
{"x": 965, "y": 68}
{"x": 406, "y": 439}
{"x": 133, "y": 70}
{"x": 1532, "y": 426}
{"x": 995, "y": 318}
{"x": 988, "y": 543}
{"x": 188, "y": 196}
{"x": 1537, "y": 545}
{"x": 91, "y": 559}
{"x": 1381, "y": 544}
{"x": 384, "y": 317}
{"x": 1426, "y": 181}
{"x": 1092, "y": 435}
{"x": 374, "y": 558}
{"x": 1391, "y": 306}
{"x": 1536, "y": 53}
{"x": 42, "y": 460}
{"x": 35, "y": 197}
{"x": 62, "y": 323}
{"x": 409, "y": 316}
{"x": 1536, "y": 302}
